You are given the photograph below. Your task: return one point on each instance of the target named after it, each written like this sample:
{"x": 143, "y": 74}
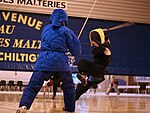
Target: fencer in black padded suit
{"x": 91, "y": 73}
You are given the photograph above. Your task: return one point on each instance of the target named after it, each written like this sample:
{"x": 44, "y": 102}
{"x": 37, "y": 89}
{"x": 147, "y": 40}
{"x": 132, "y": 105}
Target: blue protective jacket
{"x": 57, "y": 39}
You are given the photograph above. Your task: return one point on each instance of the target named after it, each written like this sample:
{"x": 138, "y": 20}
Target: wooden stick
{"x": 121, "y": 26}
{"x": 87, "y": 19}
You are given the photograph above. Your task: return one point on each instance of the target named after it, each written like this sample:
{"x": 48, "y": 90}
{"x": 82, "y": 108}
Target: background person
{"x": 113, "y": 85}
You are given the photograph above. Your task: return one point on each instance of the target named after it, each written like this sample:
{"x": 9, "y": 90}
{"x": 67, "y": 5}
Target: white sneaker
{"x": 22, "y": 109}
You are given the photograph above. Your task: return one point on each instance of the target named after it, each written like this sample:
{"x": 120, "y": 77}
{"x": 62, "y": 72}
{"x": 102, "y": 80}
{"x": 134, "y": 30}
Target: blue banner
{"x": 19, "y": 39}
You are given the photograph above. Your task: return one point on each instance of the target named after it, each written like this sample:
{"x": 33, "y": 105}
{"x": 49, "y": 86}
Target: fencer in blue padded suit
{"x": 56, "y": 40}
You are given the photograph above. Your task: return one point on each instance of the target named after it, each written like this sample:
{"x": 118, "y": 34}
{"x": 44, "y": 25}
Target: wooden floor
{"x": 88, "y": 103}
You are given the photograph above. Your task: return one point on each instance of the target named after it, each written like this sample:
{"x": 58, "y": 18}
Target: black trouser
{"x": 91, "y": 68}
{"x": 55, "y": 83}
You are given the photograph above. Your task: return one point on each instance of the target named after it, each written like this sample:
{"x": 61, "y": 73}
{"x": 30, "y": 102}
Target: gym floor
{"x": 88, "y": 103}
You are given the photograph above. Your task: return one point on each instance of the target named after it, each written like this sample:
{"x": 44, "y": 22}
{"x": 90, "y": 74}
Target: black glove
{"x": 106, "y": 38}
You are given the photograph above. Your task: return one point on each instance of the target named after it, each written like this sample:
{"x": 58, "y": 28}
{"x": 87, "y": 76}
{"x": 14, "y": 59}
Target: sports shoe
{"x": 53, "y": 97}
{"x": 22, "y": 109}
{"x": 82, "y": 78}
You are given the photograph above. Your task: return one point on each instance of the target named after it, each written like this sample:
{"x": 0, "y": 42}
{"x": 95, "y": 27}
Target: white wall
{"x": 23, "y": 76}
{"x": 16, "y": 76}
